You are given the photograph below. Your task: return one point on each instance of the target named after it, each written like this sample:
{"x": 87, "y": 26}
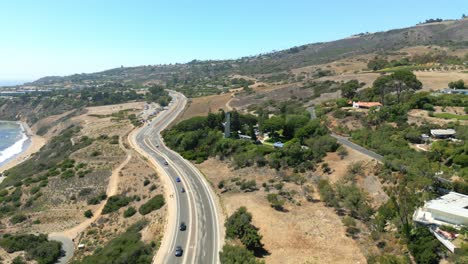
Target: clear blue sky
{"x": 60, "y": 37}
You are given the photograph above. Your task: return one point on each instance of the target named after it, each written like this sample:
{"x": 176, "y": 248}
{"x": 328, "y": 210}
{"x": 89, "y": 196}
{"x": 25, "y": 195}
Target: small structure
{"x": 278, "y": 144}
{"x": 366, "y": 104}
{"x": 245, "y": 137}
{"x": 443, "y": 133}
{"x": 425, "y": 137}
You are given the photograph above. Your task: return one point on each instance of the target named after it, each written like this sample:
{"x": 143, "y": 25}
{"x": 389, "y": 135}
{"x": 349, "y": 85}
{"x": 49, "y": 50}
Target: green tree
{"x": 237, "y": 255}
{"x": 275, "y": 201}
{"x": 460, "y": 84}
{"x": 404, "y": 80}
{"x": 382, "y": 86}
{"x": 239, "y": 226}
{"x": 424, "y": 246}
{"x": 349, "y": 89}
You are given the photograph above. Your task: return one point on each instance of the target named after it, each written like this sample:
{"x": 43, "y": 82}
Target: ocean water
{"x": 13, "y": 140}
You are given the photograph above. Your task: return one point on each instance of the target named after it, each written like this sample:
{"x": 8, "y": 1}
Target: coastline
{"x": 31, "y": 146}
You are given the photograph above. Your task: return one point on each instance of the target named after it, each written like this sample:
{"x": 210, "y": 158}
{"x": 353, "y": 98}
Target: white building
{"x": 450, "y": 209}
{"x": 443, "y": 133}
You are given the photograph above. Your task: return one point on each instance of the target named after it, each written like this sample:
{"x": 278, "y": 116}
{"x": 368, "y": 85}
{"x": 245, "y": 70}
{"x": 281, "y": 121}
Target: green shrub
{"x": 18, "y": 218}
{"x": 88, "y": 214}
{"x": 129, "y": 212}
{"x": 38, "y": 247}
{"x": 97, "y": 199}
{"x": 154, "y": 203}
{"x": 116, "y": 202}
{"x": 125, "y": 248}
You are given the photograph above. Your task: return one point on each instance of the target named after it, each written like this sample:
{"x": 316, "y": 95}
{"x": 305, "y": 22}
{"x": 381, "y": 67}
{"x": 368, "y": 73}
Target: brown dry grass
{"x": 419, "y": 117}
{"x": 310, "y": 232}
{"x": 202, "y": 105}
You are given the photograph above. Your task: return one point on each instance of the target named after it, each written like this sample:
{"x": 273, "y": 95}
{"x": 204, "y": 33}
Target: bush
{"x": 88, "y": 214}
{"x": 129, "y": 212}
{"x": 97, "y": 199}
{"x": 146, "y": 182}
{"x": 18, "y": 218}
{"x": 249, "y": 186}
{"x": 275, "y": 201}
{"x": 154, "y": 203}
{"x": 126, "y": 248}
{"x": 114, "y": 203}
{"x": 236, "y": 255}
{"x": 38, "y": 247}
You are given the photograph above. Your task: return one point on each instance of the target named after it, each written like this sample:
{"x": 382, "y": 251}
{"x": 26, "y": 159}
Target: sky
{"x": 62, "y": 37}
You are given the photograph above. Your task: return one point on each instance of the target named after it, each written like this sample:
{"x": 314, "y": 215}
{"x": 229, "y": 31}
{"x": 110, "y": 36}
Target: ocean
{"x": 13, "y": 140}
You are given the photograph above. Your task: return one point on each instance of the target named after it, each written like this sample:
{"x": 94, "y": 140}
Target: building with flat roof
{"x": 443, "y": 133}
{"x": 450, "y": 209}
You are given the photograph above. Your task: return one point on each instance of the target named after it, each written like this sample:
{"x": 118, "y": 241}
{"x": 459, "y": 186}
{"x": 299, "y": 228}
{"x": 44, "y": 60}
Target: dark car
{"x": 178, "y": 251}
{"x": 182, "y": 227}
{"x": 166, "y": 163}
{"x": 177, "y": 179}
{"x": 182, "y": 190}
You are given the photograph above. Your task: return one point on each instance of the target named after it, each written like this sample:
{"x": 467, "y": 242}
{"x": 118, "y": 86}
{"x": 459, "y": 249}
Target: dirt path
{"x": 112, "y": 189}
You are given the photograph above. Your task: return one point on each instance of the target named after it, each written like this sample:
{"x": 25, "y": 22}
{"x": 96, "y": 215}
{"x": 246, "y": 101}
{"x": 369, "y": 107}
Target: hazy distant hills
{"x": 453, "y": 33}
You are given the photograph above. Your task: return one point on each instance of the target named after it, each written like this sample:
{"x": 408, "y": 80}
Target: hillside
{"x": 452, "y": 34}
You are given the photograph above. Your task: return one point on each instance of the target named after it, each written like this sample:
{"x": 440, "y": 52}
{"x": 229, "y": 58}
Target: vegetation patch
{"x": 116, "y": 202}
{"x": 152, "y": 204}
{"x": 38, "y": 248}
{"x": 451, "y": 116}
{"x": 126, "y": 248}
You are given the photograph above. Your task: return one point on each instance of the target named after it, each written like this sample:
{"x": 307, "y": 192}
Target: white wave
{"x": 14, "y": 149}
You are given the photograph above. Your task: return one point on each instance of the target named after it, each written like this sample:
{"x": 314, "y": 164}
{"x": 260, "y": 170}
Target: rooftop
{"x": 452, "y": 203}
{"x": 443, "y": 132}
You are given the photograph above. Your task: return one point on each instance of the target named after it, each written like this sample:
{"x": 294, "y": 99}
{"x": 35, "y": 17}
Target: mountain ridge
{"x": 452, "y": 33}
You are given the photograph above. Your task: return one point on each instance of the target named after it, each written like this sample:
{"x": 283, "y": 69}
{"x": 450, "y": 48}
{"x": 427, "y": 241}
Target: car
{"x": 157, "y": 146}
{"x": 182, "y": 190}
{"x": 166, "y": 163}
{"x": 182, "y": 226}
{"x": 179, "y": 251}
{"x": 177, "y": 179}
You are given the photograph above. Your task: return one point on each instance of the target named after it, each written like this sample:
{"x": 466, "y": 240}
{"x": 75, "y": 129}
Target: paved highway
{"x": 196, "y": 206}
{"x": 358, "y": 148}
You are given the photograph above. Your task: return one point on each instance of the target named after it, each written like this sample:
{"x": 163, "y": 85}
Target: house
{"x": 366, "y": 104}
{"x": 450, "y": 209}
{"x": 443, "y": 133}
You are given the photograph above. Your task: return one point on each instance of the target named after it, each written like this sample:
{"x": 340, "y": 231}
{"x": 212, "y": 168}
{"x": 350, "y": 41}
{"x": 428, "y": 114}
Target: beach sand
{"x": 36, "y": 143}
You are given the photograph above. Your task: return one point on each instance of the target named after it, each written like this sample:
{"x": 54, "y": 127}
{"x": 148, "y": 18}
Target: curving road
{"x": 345, "y": 141}
{"x": 196, "y": 207}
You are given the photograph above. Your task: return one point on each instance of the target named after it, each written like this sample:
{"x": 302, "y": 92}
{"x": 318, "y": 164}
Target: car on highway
{"x": 166, "y": 163}
{"x": 182, "y": 190}
{"x": 182, "y": 227}
{"x": 179, "y": 251}
{"x": 177, "y": 179}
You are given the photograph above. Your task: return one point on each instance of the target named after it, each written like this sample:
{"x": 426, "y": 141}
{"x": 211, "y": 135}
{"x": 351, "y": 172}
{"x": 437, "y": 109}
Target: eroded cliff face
{"x": 33, "y": 111}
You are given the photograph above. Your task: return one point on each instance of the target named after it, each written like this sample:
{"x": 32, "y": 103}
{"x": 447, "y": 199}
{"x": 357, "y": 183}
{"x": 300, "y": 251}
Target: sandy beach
{"x": 36, "y": 143}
